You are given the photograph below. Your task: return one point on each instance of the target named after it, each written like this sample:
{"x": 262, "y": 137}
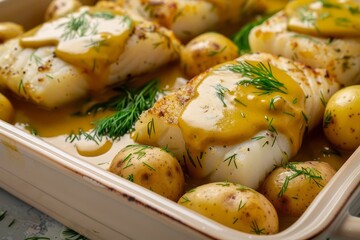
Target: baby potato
{"x": 341, "y": 122}
{"x": 233, "y": 205}
{"x": 151, "y": 167}
{"x": 6, "y": 109}
{"x": 205, "y": 51}
{"x": 292, "y": 187}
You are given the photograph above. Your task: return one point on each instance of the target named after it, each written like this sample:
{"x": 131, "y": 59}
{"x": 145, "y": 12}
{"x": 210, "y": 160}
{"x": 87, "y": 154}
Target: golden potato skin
{"x": 205, "y": 51}
{"x": 304, "y": 181}
{"x": 6, "y": 109}
{"x": 341, "y": 122}
{"x": 233, "y": 205}
{"x": 151, "y": 167}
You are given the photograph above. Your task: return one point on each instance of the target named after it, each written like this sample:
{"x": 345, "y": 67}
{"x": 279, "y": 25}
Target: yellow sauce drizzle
{"x": 92, "y": 39}
{"x": 224, "y": 112}
{"x": 324, "y": 18}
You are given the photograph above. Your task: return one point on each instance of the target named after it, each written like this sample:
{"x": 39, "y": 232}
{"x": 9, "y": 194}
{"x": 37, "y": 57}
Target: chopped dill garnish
{"x": 21, "y": 87}
{"x": 327, "y": 4}
{"x": 257, "y": 138}
{"x": 260, "y": 76}
{"x": 220, "y": 93}
{"x": 184, "y": 200}
{"x": 36, "y": 59}
{"x": 240, "y": 102}
{"x": 131, "y": 178}
{"x": 190, "y": 157}
{"x": 327, "y": 118}
{"x": 322, "y": 99}
{"x": 255, "y": 228}
{"x": 311, "y": 173}
{"x": 213, "y": 53}
{"x": 241, "y": 205}
{"x": 150, "y": 127}
{"x": 272, "y": 102}
{"x": 224, "y": 184}
{"x": 104, "y": 15}
{"x": 78, "y": 136}
{"x": 307, "y": 16}
{"x": 271, "y": 127}
{"x": 75, "y": 27}
{"x": 230, "y": 159}
{"x": 140, "y": 149}
{"x": 305, "y": 117}
{"x": 149, "y": 166}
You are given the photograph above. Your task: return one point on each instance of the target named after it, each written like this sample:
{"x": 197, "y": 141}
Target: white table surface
{"x": 22, "y": 221}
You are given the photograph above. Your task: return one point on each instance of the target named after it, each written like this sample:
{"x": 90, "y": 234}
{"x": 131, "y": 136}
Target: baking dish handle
{"x": 349, "y": 220}
{"x": 350, "y": 227}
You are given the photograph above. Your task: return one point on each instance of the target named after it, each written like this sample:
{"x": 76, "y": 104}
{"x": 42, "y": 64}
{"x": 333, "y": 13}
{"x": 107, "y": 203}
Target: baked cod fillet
{"x": 189, "y": 18}
{"x": 340, "y": 56}
{"x": 238, "y": 119}
{"x": 68, "y": 58}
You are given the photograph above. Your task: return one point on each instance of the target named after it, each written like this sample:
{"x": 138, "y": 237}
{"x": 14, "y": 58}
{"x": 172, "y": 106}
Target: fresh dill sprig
{"x": 311, "y": 173}
{"x": 260, "y": 76}
{"x": 213, "y": 53}
{"x": 327, "y": 118}
{"x": 220, "y": 93}
{"x": 255, "y": 228}
{"x": 231, "y": 159}
{"x": 241, "y": 205}
{"x": 140, "y": 150}
{"x": 104, "y": 15}
{"x": 128, "y": 108}
{"x": 307, "y": 16}
{"x": 150, "y": 127}
{"x": 75, "y": 27}
{"x": 184, "y": 200}
{"x": 241, "y": 38}
{"x": 78, "y": 136}
{"x": 36, "y": 59}
{"x": 22, "y": 87}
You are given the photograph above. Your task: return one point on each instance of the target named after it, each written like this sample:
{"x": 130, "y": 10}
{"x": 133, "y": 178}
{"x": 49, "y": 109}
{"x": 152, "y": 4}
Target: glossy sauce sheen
{"x": 232, "y": 117}
{"x": 91, "y": 39}
{"x": 331, "y": 18}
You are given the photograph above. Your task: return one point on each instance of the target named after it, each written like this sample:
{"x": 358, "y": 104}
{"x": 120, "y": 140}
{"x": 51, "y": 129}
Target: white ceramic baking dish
{"x": 100, "y": 205}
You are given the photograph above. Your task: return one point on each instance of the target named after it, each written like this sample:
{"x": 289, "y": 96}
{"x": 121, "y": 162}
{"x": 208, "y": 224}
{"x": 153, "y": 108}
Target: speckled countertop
{"x": 19, "y": 221}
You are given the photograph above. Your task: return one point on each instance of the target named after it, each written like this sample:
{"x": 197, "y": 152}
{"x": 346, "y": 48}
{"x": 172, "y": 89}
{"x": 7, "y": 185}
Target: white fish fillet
{"x": 159, "y": 126}
{"x": 189, "y": 18}
{"x": 40, "y": 77}
{"x": 339, "y": 56}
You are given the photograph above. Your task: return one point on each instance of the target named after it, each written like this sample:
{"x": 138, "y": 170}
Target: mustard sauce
{"x": 324, "y": 18}
{"x": 224, "y": 112}
{"x": 92, "y": 39}
{"x": 52, "y": 123}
